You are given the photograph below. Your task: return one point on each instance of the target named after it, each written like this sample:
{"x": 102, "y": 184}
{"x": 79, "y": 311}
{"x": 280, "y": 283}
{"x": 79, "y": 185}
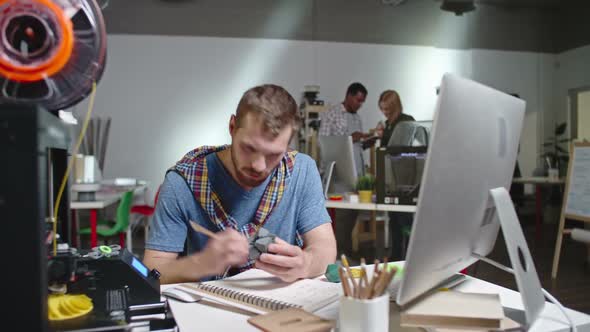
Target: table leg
{"x": 93, "y": 218}
{"x": 332, "y": 213}
{"x": 538, "y": 214}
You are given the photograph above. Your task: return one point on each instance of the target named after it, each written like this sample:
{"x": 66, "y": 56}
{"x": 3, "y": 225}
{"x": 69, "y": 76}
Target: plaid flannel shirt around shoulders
{"x": 333, "y": 122}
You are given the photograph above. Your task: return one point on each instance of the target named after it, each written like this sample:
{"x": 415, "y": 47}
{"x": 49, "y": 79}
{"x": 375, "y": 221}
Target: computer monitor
{"x": 473, "y": 149}
{"x": 338, "y": 149}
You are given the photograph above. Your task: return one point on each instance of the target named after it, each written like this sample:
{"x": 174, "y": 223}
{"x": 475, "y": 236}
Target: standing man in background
{"x": 343, "y": 120}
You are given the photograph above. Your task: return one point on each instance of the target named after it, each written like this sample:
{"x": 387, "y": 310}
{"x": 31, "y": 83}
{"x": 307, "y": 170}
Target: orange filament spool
{"x": 37, "y": 39}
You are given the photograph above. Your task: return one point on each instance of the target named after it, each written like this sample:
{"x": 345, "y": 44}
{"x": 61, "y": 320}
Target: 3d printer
{"x": 400, "y": 165}
{"x": 52, "y": 54}
{"x": 399, "y": 173}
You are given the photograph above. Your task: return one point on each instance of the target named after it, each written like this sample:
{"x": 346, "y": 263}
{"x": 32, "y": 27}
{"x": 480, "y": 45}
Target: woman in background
{"x": 390, "y": 105}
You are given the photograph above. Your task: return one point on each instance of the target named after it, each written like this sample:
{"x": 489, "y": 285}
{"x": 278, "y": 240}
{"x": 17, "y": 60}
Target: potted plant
{"x": 364, "y": 186}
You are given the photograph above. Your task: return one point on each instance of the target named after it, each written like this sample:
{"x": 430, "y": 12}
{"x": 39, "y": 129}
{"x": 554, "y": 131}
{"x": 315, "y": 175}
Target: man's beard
{"x": 242, "y": 174}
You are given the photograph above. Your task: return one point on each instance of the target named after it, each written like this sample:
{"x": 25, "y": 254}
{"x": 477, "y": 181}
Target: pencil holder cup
{"x": 356, "y": 315}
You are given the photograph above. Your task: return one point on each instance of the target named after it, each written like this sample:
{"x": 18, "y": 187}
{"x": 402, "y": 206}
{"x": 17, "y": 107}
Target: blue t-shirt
{"x": 302, "y": 207}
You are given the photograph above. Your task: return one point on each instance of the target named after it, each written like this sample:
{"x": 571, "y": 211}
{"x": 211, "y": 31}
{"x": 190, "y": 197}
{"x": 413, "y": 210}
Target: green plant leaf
{"x": 560, "y": 129}
{"x": 365, "y": 182}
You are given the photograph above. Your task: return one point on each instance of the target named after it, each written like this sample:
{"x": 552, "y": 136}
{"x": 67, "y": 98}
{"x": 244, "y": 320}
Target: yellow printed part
{"x": 65, "y": 306}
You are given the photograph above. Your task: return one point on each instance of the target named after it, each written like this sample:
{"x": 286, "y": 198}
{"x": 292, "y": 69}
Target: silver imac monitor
{"x": 338, "y": 149}
{"x": 473, "y": 149}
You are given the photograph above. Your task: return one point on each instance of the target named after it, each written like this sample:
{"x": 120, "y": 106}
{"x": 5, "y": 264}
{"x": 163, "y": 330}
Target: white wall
{"x": 528, "y": 75}
{"x": 573, "y": 71}
{"x": 167, "y": 95}
{"x": 413, "y": 71}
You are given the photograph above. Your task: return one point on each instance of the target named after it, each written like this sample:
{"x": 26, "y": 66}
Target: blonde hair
{"x": 391, "y": 100}
{"x": 273, "y": 103}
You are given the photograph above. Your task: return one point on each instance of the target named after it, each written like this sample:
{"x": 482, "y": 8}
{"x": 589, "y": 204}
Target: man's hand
{"x": 286, "y": 261}
{"x": 227, "y": 248}
{"x": 357, "y": 136}
{"x": 369, "y": 142}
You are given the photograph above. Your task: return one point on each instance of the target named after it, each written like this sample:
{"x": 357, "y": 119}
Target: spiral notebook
{"x": 261, "y": 292}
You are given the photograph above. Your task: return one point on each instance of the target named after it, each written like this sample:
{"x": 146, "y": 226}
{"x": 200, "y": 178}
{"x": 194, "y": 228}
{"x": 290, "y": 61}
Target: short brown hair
{"x": 273, "y": 103}
{"x": 391, "y": 100}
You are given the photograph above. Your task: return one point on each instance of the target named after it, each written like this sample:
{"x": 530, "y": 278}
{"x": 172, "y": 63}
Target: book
{"x": 454, "y": 309}
{"x": 261, "y": 292}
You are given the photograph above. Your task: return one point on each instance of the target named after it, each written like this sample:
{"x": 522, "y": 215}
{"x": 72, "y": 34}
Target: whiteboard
{"x": 578, "y": 194}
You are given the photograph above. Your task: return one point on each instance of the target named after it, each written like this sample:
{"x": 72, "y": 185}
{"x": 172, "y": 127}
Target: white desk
{"x": 539, "y": 181}
{"x": 369, "y": 206}
{"x": 332, "y": 205}
{"x": 104, "y": 198}
{"x": 210, "y": 316}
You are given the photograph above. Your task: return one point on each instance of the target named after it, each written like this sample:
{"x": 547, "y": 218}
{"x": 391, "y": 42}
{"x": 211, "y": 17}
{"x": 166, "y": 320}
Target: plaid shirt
{"x": 338, "y": 122}
{"x": 333, "y": 122}
{"x": 193, "y": 168}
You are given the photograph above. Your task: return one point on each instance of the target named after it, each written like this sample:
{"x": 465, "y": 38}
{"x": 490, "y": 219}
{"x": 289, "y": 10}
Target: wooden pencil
{"x": 344, "y": 281}
{"x": 386, "y": 281}
{"x": 200, "y": 229}
{"x": 374, "y": 279}
{"x": 364, "y": 278}
{"x": 354, "y": 286}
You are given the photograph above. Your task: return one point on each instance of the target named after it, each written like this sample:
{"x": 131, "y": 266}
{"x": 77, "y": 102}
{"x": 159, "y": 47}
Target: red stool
{"x": 145, "y": 212}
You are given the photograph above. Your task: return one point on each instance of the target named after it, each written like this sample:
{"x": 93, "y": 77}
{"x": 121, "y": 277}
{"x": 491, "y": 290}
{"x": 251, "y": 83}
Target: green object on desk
{"x": 105, "y": 249}
{"x": 332, "y": 273}
{"x": 333, "y": 276}
{"x": 400, "y": 268}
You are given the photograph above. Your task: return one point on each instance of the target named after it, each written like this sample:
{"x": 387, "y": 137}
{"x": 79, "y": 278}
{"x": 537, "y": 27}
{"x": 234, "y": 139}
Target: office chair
{"x": 108, "y": 228}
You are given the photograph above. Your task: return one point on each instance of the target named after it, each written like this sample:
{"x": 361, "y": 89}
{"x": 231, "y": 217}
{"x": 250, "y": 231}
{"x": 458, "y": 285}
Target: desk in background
{"x": 370, "y": 206}
{"x": 105, "y": 197}
{"x": 373, "y": 207}
{"x": 538, "y": 182}
{"x": 211, "y": 316}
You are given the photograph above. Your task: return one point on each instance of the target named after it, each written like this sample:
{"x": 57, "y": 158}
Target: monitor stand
{"x": 523, "y": 266}
{"x": 327, "y": 178}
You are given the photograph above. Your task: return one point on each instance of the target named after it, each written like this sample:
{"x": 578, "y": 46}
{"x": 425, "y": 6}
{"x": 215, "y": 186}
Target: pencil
{"x": 365, "y": 289}
{"x": 383, "y": 271}
{"x": 374, "y": 279}
{"x": 345, "y": 263}
{"x": 376, "y": 267}
{"x": 361, "y": 289}
{"x": 200, "y": 229}
{"x": 344, "y": 280}
{"x": 385, "y": 281}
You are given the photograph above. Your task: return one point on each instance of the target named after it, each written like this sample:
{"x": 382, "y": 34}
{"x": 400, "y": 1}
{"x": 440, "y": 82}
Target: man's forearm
{"x": 319, "y": 257}
{"x": 177, "y": 270}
